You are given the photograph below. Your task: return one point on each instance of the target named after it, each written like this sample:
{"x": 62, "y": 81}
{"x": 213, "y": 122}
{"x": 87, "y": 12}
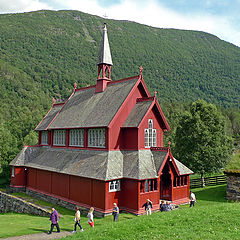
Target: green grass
{"x": 213, "y": 217}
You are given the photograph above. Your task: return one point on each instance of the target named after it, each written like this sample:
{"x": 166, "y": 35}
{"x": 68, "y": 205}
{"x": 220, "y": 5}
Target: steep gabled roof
{"x": 85, "y": 108}
{"x": 49, "y": 117}
{"x": 137, "y": 114}
{"x": 142, "y": 107}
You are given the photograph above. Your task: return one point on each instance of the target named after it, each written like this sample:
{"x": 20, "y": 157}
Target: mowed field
{"x": 213, "y": 217}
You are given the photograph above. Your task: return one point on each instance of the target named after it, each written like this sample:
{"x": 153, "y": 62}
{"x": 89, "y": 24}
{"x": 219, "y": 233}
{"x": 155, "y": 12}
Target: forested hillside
{"x": 43, "y": 53}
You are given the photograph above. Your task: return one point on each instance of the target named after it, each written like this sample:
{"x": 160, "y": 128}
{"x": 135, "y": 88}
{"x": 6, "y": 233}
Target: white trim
{"x": 150, "y": 135}
{"x": 59, "y": 137}
{"x": 96, "y": 137}
{"x": 44, "y": 139}
{"x": 76, "y": 137}
{"x": 114, "y": 186}
{"x": 13, "y": 171}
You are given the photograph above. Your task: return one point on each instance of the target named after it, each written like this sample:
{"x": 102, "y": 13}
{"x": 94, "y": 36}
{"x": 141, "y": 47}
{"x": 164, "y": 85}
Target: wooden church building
{"x": 104, "y": 144}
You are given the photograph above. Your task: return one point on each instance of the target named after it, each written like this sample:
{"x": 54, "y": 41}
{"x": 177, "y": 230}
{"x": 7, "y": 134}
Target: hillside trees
{"x": 201, "y": 141}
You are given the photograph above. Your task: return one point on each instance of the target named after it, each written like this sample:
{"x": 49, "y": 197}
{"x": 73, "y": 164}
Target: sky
{"x": 218, "y": 17}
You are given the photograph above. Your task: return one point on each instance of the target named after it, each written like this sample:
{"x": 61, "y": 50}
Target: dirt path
{"x": 40, "y": 236}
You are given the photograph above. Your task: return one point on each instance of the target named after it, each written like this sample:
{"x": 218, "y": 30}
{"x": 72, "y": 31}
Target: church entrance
{"x": 166, "y": 184}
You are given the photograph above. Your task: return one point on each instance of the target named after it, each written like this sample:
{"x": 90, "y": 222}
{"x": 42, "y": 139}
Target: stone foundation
{"x": 10, "y": 203}
{"x": 233, "y": 186}
{"x": 57, "y": 201}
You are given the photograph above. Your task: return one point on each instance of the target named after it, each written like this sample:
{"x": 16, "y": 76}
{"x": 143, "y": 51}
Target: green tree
{"x": 201, "y": 140}
{"x": 31, "y": 138}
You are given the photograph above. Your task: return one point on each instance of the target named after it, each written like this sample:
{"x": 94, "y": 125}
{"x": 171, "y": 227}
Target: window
{"x": 149, "y": 185}
{"x": 155, "y": 184}
{"x": 174, "y": 182}
{"x": 182, "y": 181}
{"x": 150, "y": 135}
{"x": 146, "y": 186}
{"x": 185, "y": 180}
{"x": 44, "y": 137}
{"x": 178, "y": 181}
{"x": 59, "y": 137}
{"x": 76, "y": 137}
{"x": 142, "y": 186}
{"x": 114, "y": 186}
{"x": 13, "y": 171}
{"x": 96, "y": 137}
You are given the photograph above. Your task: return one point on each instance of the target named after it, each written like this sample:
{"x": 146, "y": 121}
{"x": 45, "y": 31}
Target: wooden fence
{"x": 209, "y": 181}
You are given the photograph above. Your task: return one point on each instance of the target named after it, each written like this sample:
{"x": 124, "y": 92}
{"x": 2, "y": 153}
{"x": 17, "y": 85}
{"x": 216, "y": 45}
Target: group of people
{"x": 164, "y": 206}
{"x": 54, "y": 217}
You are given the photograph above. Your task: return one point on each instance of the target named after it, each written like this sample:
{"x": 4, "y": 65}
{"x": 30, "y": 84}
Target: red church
{"x": 104, "y": 144}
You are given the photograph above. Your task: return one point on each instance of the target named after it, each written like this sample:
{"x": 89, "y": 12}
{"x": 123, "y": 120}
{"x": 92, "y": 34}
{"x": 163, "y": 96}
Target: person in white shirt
{"x": 192, "y": 199}
{"x": 90, "y": 217}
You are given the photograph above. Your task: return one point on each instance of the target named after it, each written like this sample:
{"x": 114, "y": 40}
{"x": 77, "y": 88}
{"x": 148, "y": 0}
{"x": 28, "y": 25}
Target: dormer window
{"x": 76, "y": 138}
{"x": 59, "y": 137}
{"x": 150, "y": 135}
{"x": 96, "y": 137}
{"x": 44, "y": 140}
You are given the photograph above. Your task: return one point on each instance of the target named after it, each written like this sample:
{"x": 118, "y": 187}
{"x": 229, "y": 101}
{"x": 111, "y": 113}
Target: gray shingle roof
{"x": 159, "y": 158}
{"x": 101, "y": 165}
{"x": 137, "y": 114}
{"x": 89, "y": 109}
{"x": 48, "y": 118}
{"x": 182, "y": 168}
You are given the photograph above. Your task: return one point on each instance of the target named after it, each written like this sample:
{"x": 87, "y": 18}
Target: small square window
{"x": 114, "y": 186}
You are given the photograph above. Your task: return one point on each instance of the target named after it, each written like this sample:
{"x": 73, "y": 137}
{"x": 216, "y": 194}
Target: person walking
{"x": 90, "y": 217}
{"x": 77, "y": 220}
{"x": 148, "y": 207}
{"x": 192, "y": 199}
{"x": 115, "y": 212}
{"x": 54, "y": 220}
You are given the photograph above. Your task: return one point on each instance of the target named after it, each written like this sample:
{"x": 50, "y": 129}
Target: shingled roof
{"x": 101, "y": 165}
{"x": 48, "y": 118}
{"x": 137, "y": 114}
{"x": 87, "y": 108}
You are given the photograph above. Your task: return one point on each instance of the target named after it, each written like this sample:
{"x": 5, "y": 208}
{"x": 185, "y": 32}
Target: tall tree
{"x": 201, "y": 140}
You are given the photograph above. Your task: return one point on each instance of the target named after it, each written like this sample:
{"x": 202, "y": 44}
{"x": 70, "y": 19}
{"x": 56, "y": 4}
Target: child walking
{"x": 90, "y": 217}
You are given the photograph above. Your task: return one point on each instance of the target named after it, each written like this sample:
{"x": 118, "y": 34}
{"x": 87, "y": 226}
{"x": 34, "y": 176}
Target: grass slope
{"x": 212, "y": 218}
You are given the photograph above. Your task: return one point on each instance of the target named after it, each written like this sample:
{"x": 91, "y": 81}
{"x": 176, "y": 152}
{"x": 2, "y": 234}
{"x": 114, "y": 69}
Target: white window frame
{"x": 59, "y": 137}
{"x": 44, "y": 140}
{"x": 150, "y": 135}
{"x": 76, "y": 137}
{"x": 96, "y": 137}
{"x": 13, "y": 171}
{"x": 114, "y": 186}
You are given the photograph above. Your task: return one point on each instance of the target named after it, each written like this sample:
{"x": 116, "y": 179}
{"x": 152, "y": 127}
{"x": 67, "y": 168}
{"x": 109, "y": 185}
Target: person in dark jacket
{"x": 148, "y": 206}
{"x": 162, "y": 206}
{"x": 54, "y": 220}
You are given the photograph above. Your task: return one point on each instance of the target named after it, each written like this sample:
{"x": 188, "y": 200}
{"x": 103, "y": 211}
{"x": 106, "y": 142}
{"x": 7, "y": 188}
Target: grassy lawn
{"x": 212, "y": 218}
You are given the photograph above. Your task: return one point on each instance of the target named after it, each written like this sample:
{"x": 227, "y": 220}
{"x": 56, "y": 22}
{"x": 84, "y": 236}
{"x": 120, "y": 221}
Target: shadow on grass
{"x": 215, "y": 193}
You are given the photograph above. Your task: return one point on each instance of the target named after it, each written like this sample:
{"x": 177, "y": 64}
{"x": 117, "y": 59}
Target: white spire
{"x": 104, "y": 56}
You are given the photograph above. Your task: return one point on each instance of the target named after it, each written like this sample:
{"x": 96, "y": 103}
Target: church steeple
{"x": 104, "y": 63}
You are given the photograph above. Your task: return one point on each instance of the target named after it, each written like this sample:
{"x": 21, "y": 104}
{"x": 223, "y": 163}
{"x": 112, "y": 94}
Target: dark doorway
{"x": 166, "y": 184}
